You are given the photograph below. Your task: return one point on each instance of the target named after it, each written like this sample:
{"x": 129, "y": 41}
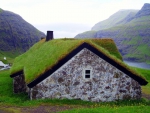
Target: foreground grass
{"x": 124, "y": 109}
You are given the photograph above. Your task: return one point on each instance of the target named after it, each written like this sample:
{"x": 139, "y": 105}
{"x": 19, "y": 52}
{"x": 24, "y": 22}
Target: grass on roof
{"x": 44, "y": 55}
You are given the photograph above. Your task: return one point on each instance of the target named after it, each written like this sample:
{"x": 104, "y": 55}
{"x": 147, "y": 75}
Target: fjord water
{"x": 138, "y": 64}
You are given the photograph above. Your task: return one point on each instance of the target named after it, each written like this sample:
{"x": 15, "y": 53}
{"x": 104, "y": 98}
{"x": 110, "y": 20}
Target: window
{"x": 87, "y": 73}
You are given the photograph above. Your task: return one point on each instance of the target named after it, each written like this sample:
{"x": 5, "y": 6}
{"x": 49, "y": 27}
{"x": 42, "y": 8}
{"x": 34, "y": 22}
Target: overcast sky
{"x": 67, "y": 17}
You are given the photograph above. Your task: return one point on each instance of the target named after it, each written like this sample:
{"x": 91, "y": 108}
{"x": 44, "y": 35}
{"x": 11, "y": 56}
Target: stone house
{"x": 85, "y": 72}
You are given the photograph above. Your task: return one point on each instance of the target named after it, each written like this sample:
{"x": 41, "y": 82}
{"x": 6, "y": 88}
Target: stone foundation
{"x": 19, "y": 84}
{"x": 107, "y": 83}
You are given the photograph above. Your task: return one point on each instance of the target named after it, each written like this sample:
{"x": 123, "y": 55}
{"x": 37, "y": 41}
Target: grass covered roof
{"x": 43, "y": 55}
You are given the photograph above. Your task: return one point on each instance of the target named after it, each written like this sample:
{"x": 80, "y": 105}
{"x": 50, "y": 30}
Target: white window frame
{"x": 87, "y": 74}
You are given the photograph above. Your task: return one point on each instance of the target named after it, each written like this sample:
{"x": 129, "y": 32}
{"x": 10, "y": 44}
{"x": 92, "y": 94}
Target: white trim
{"x": 87, "y": 68}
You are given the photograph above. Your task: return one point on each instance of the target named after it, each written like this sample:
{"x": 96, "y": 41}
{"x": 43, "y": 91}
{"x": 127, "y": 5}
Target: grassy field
{"x": 7, "y": 98}
{"x": 10, "y": 56}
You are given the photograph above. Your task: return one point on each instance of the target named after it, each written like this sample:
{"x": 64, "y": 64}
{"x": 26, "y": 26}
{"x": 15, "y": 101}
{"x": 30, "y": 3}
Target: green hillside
{"x": 16, "y": 35}
{"x": 132, "y": 39}
{"x": 115, "y": 19}
{"x": 87, "y": 34}
{"x": 131, "y": 34}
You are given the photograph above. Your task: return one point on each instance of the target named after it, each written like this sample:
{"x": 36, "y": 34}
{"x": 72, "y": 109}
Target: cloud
{"x": 62, "y": 30}
{"x": 73, "y": 11}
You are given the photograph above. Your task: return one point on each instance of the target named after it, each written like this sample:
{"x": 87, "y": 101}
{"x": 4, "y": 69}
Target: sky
{"x": 67, "y": 18}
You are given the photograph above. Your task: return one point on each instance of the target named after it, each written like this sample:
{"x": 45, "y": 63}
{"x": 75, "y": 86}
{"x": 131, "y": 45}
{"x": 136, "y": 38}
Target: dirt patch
{"x": 47, "y": 109}
{"x": 38, "y": 109}
{"x": 3, "y": 111}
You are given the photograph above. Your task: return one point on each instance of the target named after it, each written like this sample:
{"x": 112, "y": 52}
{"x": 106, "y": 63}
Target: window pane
{"x": 87, "y": 76}
{"x": 87, "y": 71}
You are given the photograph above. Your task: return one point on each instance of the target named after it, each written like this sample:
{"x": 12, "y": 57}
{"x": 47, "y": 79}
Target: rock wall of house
{"x": 19, "y": 84}
{"x": 107, "y": 83}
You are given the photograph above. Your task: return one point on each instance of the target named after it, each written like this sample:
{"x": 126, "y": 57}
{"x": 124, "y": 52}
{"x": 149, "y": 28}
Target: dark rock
{"x": 122, "y": 91}
{"x": 116, "y": 75}
{"x": 126, "y": 97}
{"x": 102, "y": 92}
{"x": 60, "y": 80}
{"x": 107, "y": 87}
{"x": 76, "y": 83}
{"x": 67, "y": 90}
{"x": 19, "y": 84}
{"x": 84, "y": 93}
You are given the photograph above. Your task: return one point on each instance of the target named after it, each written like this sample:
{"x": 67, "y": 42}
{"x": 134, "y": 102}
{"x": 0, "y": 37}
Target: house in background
{"x": 86, "y": 69}
{"x": 2, "y": 64}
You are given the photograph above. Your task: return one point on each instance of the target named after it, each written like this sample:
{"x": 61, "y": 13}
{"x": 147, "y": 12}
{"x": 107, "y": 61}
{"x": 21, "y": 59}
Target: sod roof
{"x": 45, "y": 55}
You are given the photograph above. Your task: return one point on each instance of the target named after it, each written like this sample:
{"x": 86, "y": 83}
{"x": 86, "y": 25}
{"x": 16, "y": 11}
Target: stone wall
{"x": 19, "y": 84}
{"x": 107, "y": 83}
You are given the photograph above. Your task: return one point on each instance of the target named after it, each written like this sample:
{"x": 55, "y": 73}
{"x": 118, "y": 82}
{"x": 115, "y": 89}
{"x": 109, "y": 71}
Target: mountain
{"x": 16, "y": 35}
{"x": 131, "y": 33}
{"x": 145, "y": 11}
{"x": 86, "y": 34}
{"x": 115, "y": 19}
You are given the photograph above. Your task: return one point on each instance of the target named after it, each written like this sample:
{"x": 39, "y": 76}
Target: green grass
{"x": 144, "y": 49}
{"x": 6, "y": 91}
{"x": 146, "y": 74}
{"x": 43, "y": 55}
{"x": 9, "y": 55}
{"x": 125, "y": 109}
{"x": 133, "y": 41}
{"x": 141, "y": 52}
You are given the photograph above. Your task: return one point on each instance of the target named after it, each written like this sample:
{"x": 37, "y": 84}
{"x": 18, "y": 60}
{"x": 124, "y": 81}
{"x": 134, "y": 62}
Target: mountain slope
{"x": 131, "y": 35}
{"x": 145, "y": 11}
{"x": 132, "y": 39}
{"x": 16, "y": 34}
{"x": 115, "y": 19}
{"x": 87, "y": 34}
